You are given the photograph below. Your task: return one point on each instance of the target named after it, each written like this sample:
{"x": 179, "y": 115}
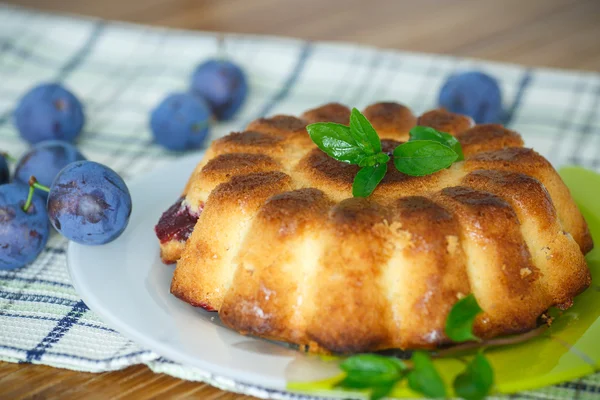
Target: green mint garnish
{"x": 459, "y": 324}
{"x": 356, "y": 144}
{"x": 476, "y": 381}
{"x": 377, "y": 373}
{"x": 367, "y": 179}
{"x": 427, "y": 151}
{"x": 363, "y": 132}
{"x": 427, "y": 133}
{"x": 423, "y": 157}
{"x": 371, "y": 161}
{"x": 380, "y": 374}
{"x": 337, "y": 141}
{"x": 424, "y": 378}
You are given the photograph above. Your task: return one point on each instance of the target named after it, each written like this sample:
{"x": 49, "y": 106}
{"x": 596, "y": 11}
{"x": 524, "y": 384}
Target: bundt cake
{"x": 268, "y": 234}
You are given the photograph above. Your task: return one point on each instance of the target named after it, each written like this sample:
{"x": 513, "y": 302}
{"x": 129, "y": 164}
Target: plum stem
{"x": 8, "y": 157}
{"x": 33, "y": 184}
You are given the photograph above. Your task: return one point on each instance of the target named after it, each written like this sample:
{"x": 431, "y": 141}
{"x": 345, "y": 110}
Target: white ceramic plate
{"x": 127, "y": 285}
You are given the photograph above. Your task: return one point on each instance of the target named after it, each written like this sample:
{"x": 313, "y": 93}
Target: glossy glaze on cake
{"x": 281, "y": 249}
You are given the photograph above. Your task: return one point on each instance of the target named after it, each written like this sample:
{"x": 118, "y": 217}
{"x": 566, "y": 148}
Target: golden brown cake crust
{"x": 488, "y": 137}
{"x": 391, "y": 120}
{"x": 248, "y": 142}
{"x": 281, "y": 249}
{"x": 279, "y": 125}
{"x": 445, "y": 121}
{"x": 331, "y": 112}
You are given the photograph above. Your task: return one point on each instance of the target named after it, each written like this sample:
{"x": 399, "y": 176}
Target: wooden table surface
{"x": 550, "y": 33}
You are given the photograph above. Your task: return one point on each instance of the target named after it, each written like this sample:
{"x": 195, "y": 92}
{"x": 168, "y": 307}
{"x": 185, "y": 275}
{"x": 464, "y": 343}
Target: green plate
{"x": 568, "y": 350}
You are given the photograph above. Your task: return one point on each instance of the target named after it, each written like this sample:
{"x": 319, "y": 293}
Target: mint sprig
{"x": 337, "y": 141}
{"x": 424, "y": 378}
{"x": 428, "y": 133}
{"x": 356, "y": 144}
{"x": 476, "y": 381}
{"x": 379, "y": 374}
{"x": 423, "y": 157}
{"x": 365, "y": 134}
{"x": 376, "y": 373}
{"x": 427, "y": 151}
{"x": 460, "y": 320}
{"x": 367, "y": 179}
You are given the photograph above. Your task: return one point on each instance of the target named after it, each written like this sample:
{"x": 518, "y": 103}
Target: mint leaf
{"x": 424, "y": 378}
{"x": 337, "y": 141}
{"x": 423, "y": 157}
{"x": 372, "y": 368}
{"x": 370, "y": 161}
{"x": 367, "y": 179}
{"x": 428, "y": 133}
{"x": 351, "y": 144}
{"x": 476, "y": 381}
{"x": 459, "y": 323}
{"x": 372, "y": 371}
{"x": 381, "y": 391}
{"x": 363, "y": 133}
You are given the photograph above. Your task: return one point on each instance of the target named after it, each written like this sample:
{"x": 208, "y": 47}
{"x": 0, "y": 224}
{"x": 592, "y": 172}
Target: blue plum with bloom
{"x": 49, "y": 111}
{"x": 180, "y": 122}
{"x": 23, "y": 234}
{"x": 89, "y": 203}
{"x": 222, "y": 84}
{"x": 44, "y": 161}
{"x": 475, "y": 94}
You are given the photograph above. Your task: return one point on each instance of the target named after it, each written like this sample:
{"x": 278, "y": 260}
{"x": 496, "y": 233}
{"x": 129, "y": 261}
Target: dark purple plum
{"x": 180, "y": 122}
{"x": 4, "y": 170}
{"x": 222, "y": 84}
{"x": 44, "y": 161}
{"x": 49, "y": 111}
{"x": 23, "y": 235}
{"x": 475, "y": 94}
{"x": 89, "y": 203}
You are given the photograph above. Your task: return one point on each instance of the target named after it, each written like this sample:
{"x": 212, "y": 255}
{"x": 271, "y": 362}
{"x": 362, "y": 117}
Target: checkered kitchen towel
{"x": 121, "y": 71}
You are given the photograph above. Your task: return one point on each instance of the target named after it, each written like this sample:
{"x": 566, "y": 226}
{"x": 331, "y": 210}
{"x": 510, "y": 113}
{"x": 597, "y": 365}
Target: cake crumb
{"x": 525, "y": 272}
{"x": 547, "y": 319}
{"x": 404, "y": 237}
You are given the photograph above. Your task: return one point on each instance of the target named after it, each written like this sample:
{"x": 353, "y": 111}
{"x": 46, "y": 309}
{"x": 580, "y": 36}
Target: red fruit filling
{"x": 177, "y": 223}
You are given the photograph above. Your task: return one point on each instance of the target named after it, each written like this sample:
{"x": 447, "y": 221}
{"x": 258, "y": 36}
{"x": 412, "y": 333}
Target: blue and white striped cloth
{"x": 121, "y": 71}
